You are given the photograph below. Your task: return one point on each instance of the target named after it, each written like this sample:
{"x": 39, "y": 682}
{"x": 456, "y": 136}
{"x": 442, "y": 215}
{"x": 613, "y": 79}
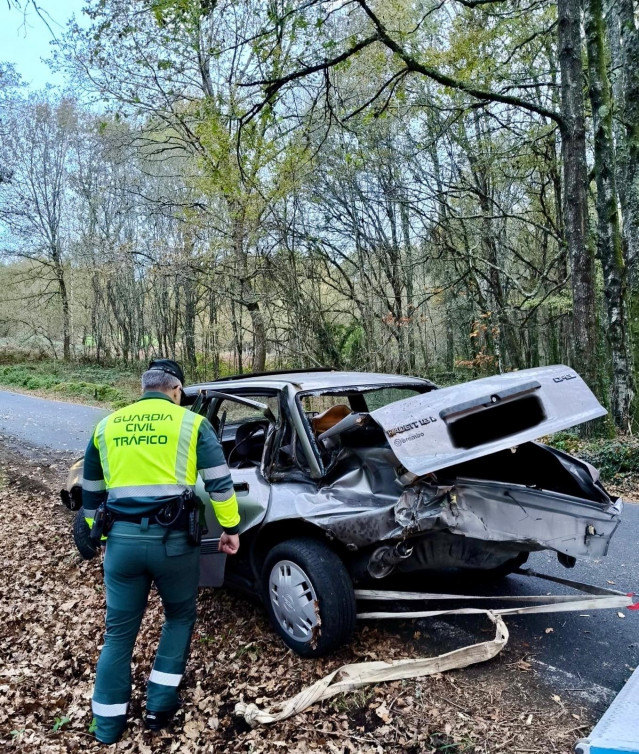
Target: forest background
{"x": 448, "y": 188}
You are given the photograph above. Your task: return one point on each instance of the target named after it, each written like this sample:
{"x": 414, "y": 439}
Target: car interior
{"x": 248, "y": 444}
{"x": 242, "y": 430}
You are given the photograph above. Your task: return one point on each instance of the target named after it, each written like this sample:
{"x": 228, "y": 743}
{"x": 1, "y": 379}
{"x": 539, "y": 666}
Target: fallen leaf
{"x": 382, "y": 713}
{"x": 50, "y": 601}
{"x": 192, "y": 729}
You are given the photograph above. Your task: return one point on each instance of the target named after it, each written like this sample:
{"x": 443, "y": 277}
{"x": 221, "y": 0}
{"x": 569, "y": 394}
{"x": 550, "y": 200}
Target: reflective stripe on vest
{"x": 148, "y": 449}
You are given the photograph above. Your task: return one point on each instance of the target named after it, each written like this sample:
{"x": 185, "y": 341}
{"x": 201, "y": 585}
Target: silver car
{"x": 345, "y": 477}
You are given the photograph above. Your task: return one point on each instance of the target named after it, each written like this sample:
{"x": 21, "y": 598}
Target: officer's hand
{"x": 229, "y": 543}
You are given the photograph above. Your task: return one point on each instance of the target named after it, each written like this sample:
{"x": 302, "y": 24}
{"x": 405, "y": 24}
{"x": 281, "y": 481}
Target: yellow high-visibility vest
{"x": 148, "y": 449}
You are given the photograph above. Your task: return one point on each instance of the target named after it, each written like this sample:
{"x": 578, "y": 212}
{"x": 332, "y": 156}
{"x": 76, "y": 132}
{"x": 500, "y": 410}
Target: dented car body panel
{"x": 360, "y": 510}
{"x": 441, "y": 478}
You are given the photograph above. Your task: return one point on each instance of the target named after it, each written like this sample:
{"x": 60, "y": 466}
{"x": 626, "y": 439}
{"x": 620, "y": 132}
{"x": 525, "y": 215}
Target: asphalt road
{"x": 589, "y": 656}
{"x": 47, "y": 424}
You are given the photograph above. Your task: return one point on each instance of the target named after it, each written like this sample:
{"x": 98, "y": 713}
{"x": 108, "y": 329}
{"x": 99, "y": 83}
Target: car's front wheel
{"x": 309, "y": 596}
{"x": 81, "y": 536}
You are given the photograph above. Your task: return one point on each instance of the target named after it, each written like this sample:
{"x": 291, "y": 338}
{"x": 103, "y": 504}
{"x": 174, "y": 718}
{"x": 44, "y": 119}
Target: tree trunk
{"x": 575, "y": 175}
{"x": 66, "y": 317}
{"x": 189, "y": 324}
{"x": 609, "y": 243}
{"x": 411, "y": 324}
{"x": 64, "y": 300}
{"x": 247, "y": 294}
{"x": 629, "y": 144}
{"x": 625, "y": 62}
{"x": 479, "y": 158}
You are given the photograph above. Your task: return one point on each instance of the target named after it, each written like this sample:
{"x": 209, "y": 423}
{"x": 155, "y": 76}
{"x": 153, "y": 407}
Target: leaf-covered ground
{"x": 51, "y": 626}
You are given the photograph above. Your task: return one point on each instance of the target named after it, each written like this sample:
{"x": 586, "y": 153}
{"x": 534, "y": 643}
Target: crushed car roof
{"x": 305, "y": 381}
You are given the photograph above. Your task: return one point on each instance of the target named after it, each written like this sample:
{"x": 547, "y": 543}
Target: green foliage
{"x": 617, "y": 460}
{"x": 112, "y": 387}
{"x": 94, "y": 725}
{"x": 60, "y": 722}
{"x": 357, "y": 700}
{"x": 568, "y": 442}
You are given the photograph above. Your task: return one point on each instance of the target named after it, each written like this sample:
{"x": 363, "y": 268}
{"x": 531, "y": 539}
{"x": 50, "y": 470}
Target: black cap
{"x": 169, "y": 366}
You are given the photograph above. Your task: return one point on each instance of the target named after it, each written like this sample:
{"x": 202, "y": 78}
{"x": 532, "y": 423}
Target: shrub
{"x": 108, "y": 385}
{"x": 569, "y": 442}
{"x": 617, "y": 460}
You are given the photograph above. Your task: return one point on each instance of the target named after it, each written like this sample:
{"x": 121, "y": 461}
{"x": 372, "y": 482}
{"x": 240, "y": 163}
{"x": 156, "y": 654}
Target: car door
{"x": 229, "y": 414}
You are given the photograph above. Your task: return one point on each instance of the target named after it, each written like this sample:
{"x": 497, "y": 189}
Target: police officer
{"x": 142, "y": 458}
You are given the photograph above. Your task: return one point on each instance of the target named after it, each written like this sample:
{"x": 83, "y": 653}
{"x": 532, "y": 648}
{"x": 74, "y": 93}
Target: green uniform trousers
{"x": 137, "y": 556}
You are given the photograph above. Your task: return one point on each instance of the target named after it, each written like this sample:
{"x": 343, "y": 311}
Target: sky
{"x": 24, "y": 38}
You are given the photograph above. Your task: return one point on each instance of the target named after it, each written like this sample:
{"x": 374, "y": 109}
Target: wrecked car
{"x": 346, "y": 477}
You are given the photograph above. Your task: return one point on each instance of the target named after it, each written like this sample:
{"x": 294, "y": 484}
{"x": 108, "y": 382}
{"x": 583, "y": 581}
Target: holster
{"x": 101, "y": 524}
{"x": 195, "y": 523}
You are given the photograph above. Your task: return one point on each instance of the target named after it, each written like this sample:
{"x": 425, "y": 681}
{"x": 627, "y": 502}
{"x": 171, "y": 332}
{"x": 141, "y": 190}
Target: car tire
{"x": 75, "y": 498}
{"x": 505, "y": 569}
{"x": 309, "y": 596}
{"x": 81, "y": 536}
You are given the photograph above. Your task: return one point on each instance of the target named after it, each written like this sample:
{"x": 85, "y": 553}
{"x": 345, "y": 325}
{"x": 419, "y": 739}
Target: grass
{"x": 112, "y": 387}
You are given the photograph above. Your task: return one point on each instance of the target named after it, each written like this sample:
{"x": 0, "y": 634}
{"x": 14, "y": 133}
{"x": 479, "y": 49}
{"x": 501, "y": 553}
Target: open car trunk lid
{"x": 454, "y": 424}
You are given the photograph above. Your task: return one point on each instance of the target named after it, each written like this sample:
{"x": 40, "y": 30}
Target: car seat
{"x": 330, "y": 417}
{"x": 249, "y": 444}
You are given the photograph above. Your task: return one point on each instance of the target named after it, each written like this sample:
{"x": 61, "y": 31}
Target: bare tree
{"x": 609, "y": 239}
{"x": 36, "y": 146}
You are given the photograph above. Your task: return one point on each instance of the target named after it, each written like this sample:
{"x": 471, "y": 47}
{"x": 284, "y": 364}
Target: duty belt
{"x": 182, "y": 513}
{"x": 162, "y": 516}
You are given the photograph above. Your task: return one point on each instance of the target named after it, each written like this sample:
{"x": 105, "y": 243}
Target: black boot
{"x": 160, "y": 720}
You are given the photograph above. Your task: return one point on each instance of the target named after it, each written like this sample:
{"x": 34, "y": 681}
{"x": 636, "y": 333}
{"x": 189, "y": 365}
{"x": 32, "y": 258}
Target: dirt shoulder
{"x": 51, "y": 627}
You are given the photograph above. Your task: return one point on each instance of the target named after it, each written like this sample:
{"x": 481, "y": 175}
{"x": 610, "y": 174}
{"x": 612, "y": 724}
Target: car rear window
{"x": 382, "y": 397}
{"x": 360, "y": 400}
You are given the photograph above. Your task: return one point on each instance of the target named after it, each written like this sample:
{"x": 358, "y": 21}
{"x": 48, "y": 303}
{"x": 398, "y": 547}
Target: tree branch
{"x": 412, "y": 64}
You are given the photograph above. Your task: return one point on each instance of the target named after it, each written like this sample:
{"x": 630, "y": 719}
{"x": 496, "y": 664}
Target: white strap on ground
{"x": 350, "y": 677}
